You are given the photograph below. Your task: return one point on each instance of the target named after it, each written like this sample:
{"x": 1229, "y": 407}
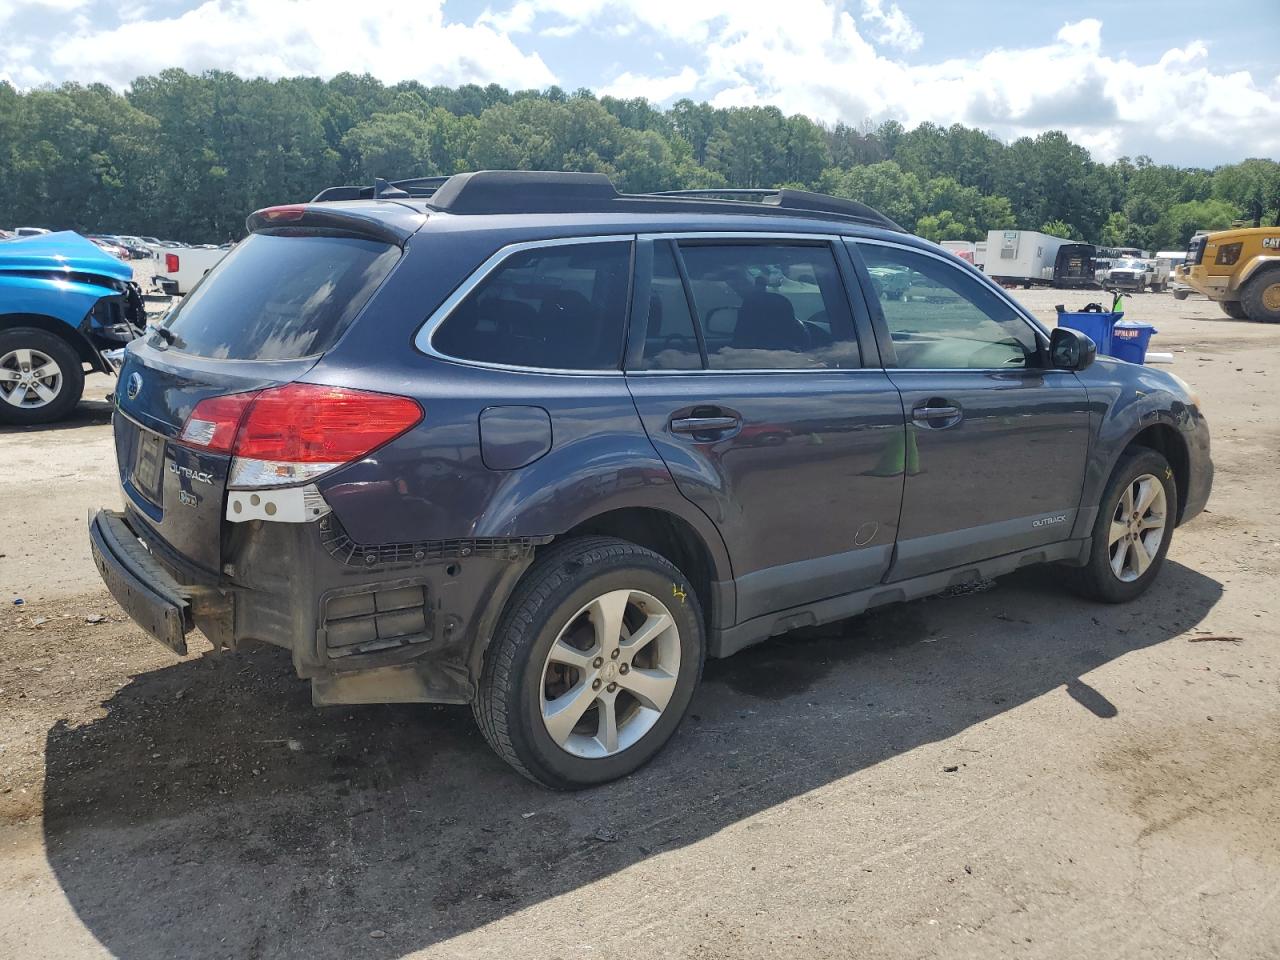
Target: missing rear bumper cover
{"x": 343, "y": 549}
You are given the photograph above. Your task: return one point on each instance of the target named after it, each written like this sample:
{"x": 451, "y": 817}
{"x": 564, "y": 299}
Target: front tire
{"x": 1233, "y": 309}
{"x": 1134, "y": 528}
{"x": 593, "y": 664}
{"x": 41, "y": 377}
{"x": 1260, "y": 297}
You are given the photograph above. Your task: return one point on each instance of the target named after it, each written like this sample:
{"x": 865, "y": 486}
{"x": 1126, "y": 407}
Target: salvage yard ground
{"x": 1007, "y": 772}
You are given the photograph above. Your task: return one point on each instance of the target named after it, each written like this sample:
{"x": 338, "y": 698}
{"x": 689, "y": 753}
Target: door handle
{"x": 703, "y": 424}
{"x": 937, "y": 415}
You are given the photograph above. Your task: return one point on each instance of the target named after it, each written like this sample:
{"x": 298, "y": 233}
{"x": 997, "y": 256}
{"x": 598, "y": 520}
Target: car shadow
{"x": 213, "y": 812}
{"x": 87, "y": 413}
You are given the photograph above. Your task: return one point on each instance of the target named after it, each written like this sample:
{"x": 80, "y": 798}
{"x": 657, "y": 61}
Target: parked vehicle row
{"x": 519, "y": 441}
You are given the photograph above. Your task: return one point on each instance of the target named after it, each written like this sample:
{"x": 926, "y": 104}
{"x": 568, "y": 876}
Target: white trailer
{"x": 1021, "y": 257}
{"x": 980, "y": 254}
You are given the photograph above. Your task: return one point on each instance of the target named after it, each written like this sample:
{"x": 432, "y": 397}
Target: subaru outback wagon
{"x": 520, "y": 441}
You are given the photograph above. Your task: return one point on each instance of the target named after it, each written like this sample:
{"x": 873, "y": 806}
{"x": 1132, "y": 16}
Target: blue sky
{"x": 1163, "y": 79}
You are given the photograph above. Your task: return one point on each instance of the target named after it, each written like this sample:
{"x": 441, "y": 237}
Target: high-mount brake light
{"x": 283, "y": 214}
{"x": 291, "y": 434}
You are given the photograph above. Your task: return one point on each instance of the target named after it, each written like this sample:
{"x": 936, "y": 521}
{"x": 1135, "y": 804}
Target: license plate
{"x": 148, "y": 466}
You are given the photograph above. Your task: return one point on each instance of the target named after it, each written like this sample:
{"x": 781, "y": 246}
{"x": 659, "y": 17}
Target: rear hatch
{"x": 260, "y": 319}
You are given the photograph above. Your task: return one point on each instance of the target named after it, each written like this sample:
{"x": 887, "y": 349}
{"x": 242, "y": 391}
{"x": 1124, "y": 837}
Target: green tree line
{"x": 187, "y": 156}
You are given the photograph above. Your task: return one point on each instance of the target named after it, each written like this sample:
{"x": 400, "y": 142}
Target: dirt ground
{"x": 1010, "y": 772}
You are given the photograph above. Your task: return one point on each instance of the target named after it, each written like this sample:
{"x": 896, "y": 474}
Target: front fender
{"x": 65, "y": 300}
{"x": 1126, "y": 399}
{"x": 1255, "y": 264}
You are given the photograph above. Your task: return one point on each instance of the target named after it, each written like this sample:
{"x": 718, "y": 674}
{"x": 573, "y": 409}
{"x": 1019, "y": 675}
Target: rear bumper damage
{"x": 145, "y": 589}
{"x": 388, "y": 623}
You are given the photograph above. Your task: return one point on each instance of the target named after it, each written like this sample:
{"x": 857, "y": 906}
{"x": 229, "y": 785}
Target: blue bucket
{"x": 1129, "y": 340}
{"x": 1095, "y": 326}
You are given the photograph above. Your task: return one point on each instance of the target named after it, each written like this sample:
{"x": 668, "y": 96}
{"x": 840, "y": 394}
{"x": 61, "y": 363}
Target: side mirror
{"x": 1070, "y": 349}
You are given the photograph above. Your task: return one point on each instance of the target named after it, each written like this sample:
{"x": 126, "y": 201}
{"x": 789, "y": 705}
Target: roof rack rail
{"x": 547, "y": 191}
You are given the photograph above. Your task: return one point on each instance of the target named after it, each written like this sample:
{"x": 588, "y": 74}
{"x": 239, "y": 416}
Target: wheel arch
{"x": 58, "y": 328}
{"x": 1256, "y": 267}
{"x": 1167, "y": 441}
{"x": 671, "y": 536}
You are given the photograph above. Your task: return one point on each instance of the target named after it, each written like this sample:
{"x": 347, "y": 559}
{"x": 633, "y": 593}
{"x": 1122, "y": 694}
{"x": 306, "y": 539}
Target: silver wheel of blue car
{"x": 41, "y": 376}
{"x": 29, "y": 378}
{"x": 610, "y": 673}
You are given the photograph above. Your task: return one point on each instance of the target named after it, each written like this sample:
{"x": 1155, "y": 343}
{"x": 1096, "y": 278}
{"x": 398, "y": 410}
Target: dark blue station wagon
{"x": 519, "y": 441}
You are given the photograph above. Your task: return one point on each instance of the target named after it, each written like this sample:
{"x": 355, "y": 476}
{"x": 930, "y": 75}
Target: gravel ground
{"x": 1009, "y": 772}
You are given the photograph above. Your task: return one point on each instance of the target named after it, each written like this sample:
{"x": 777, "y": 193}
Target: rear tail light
{"x": 214, "y": 422}
{"x": 292, "y": 434}
{"x": 171, "y": 263}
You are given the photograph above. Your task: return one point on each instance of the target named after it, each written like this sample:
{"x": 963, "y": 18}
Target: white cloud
{"x": 817, "y": 61}
{"x": 895, "y": 27}
{"x": 628, "y": 85}
{"x": 276, "y": 38}
{"x": 1082, "y": 33}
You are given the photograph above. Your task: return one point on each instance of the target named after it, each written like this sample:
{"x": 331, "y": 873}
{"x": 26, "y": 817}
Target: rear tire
{"x": 1134, "y": 528}
{"x": 1233, "y": 309}
{"x": 41, "y": 376}
{"x": 1260, "y": 297}
{"x": 593, "y": 664}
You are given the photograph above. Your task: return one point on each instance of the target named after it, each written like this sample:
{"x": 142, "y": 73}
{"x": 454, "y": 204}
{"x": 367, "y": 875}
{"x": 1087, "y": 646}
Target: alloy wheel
{"x": 29, "y": 378}
{"x": 1138, "y": 527}
{"x": 610, "y": 674}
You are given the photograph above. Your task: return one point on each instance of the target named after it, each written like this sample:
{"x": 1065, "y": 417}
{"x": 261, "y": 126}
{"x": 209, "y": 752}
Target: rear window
{"x": 279, "y": 297}
{"x": 555, "y": 307}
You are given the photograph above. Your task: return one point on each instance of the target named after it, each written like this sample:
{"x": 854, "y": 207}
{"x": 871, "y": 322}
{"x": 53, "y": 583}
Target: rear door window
{"x": 279, "y": 297}
{"x": 770, "y": 306}
{"x": 556, "y": 307}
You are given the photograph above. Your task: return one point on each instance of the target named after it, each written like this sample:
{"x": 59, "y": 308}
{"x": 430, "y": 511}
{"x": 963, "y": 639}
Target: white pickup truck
{"x": 178, "y": 269}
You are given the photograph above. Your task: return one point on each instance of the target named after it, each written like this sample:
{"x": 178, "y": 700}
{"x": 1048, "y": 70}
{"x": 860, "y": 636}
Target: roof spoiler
{"x": 371, "y": 224}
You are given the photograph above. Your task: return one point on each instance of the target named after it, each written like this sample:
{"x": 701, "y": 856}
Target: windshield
{"x": 279, "y": 297}
{"x": 1130, "y": 265}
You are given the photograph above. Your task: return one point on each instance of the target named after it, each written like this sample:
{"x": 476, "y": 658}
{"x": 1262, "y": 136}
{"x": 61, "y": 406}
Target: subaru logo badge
{"x": 134, "y": 387}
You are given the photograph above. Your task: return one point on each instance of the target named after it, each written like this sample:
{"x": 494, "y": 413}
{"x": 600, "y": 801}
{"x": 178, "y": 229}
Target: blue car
{"x": 520, "y": 441}
{"x": 64, "y": 304}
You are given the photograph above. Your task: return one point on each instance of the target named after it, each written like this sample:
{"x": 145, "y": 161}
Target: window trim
{"x": 422, "y": 339}
{"x": 1038, "y": 331}
{"x": 832, "y": 242}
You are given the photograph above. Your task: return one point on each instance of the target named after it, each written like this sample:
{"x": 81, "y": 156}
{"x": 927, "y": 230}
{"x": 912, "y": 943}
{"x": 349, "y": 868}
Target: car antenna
{"x": 383, "y": 189}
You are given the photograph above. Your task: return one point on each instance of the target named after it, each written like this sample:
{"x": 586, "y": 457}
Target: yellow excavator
{"x": 1238, "y": 268}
